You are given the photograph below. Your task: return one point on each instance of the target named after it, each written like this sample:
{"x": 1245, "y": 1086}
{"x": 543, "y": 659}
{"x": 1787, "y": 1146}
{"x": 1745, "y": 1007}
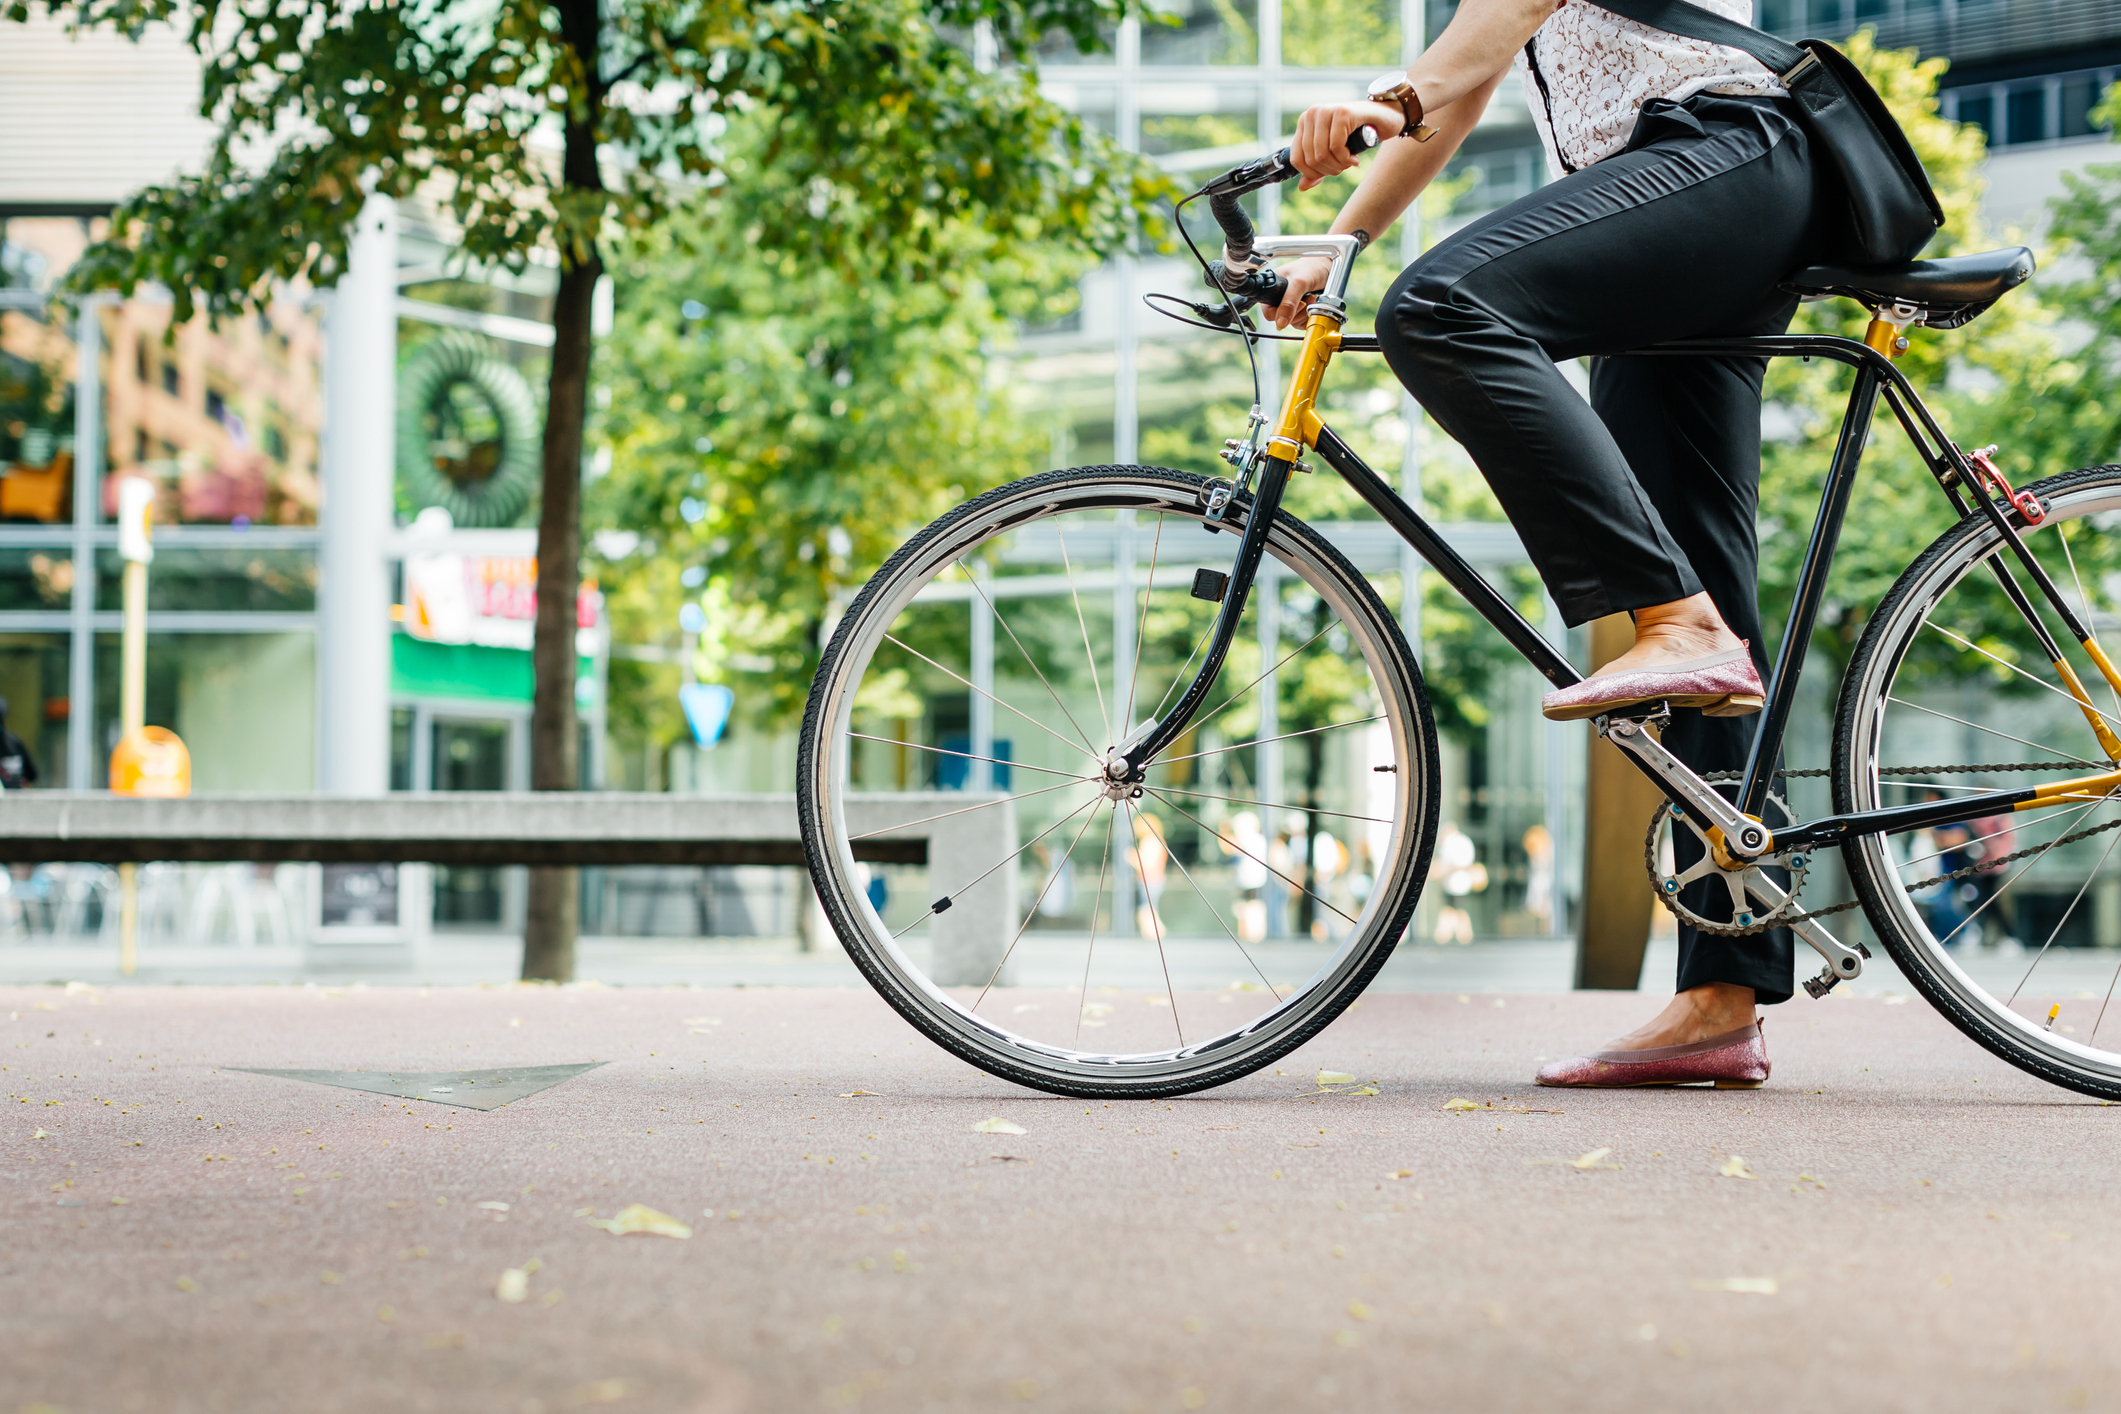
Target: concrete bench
{"x": 487, "y": 828}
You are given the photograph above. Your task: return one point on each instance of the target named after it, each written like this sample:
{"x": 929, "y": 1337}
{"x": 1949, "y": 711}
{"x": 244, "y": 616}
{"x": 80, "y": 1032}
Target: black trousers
{"x": 1647, "y": 494}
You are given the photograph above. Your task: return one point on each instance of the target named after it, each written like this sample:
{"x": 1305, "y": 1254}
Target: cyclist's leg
{"x": 1684, "y": 237}
{"x": 1690, "y": 430}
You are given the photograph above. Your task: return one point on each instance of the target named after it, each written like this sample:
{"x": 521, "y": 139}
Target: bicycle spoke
{"x": 1156, "y": 921}
{"x": 1104, "y": 863}
{"x": 1089, "y": 656}
{"x": 2056, "y": 931}
{"x": 1935, "y": 785}
{"x": 1211, "y": 716}
{"x": 2057, "y": 751}
{"x": 968, "y": 756}
{"x": 1217, "y": 916}
{"x": 1141, "y": 630}
{"x": 894, "y": 638}
{"x": 1031, "y": 913}
{"x": 2084, "y": 603}
{"x": 1321, "y": 901}
{"x": 1012, "y": 858}
{"x": 1262, "y": 805}
{"x": 1184, "y": 675}
{"x": 2081, "y": 706}
{"x": 1029, "y": 661}
{"x": 1261, "y": 741}
{"x": 983, "y": 805}
{"x": 1976, "y": 840}
{"x": 2081, "y": 812}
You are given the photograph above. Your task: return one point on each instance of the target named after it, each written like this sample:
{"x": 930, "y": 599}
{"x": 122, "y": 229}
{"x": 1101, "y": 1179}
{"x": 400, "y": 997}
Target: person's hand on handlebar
{"x": 1320, "y": 147}
{"x": 1306, "y": 278}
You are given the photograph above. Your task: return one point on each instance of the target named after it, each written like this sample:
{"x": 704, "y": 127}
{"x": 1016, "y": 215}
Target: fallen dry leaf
{"x": 856, "y": 1094}
{"x": 1734, "y": 1167}
{"x": 1462, "y": 1105}
{"x": 998, "y": 1125}
{"x": 1335, "y": 1077}
{"x": 514, "y": 1285}
{"x": 1748, "y": 1286}
{"x": 1400, "y": 1173}
{"x": 598, "y": 1392}
{"x": 1593, "y": 1160}
{"x": 492, "y": 1207}
{"x": 638, "y": 1217}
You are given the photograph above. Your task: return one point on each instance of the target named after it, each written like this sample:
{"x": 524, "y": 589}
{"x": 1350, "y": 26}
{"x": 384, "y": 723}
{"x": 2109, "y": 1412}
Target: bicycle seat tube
{"x": 1296, "y": 429}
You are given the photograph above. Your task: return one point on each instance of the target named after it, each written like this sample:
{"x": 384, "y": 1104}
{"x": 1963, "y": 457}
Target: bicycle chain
{"x": 1985, "y": 866}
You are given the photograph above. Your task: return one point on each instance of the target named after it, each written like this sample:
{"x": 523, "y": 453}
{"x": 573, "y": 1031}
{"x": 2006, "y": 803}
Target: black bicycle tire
{"x": 1391, "y": 640}
{"x": 1874, "y": 891}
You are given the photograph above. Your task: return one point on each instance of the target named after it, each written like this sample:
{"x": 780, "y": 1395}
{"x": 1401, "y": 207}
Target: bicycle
{"x": 1372, "y": 753}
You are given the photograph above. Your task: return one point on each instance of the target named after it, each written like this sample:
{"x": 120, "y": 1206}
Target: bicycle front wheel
{"x": 1053, "y": 932}
{"x": 2007, "y": 924}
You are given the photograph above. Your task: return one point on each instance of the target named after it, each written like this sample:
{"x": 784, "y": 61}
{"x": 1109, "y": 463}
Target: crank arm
{"x": 1843, "y": 963}
{"x": 1744, "y": 837}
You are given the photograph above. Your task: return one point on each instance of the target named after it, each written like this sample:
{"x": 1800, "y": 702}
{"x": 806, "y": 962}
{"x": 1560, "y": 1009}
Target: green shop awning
{"x": 466, "y": 671}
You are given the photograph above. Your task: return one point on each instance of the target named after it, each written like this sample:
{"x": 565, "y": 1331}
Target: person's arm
{"x": 1452, "y": 80}
{"x": 1402, "y": 171}
{"x": 1472, "y": 52}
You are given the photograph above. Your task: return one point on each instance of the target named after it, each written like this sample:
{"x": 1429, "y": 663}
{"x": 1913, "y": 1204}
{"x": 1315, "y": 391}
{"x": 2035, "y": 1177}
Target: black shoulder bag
{"x": 1892, "y": 212}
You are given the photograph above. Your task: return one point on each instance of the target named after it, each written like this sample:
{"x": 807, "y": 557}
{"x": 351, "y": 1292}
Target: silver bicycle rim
{"x": 1217, "y": 1050}
{"x": 2013, "y": 1000}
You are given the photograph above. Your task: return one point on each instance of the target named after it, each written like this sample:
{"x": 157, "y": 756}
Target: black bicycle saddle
{"x": 1949, "y": 291}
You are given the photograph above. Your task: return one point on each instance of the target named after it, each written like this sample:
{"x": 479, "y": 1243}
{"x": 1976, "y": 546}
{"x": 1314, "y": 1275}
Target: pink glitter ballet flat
{"x": 1722, "y": 685}
{"x": 1736, "y": 1060}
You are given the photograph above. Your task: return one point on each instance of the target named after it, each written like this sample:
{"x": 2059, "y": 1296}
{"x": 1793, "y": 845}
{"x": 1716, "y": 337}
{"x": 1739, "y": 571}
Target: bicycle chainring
{"x": 1669, "y": 887}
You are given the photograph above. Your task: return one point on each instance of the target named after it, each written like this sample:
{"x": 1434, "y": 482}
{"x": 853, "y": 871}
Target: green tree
{"x": 885, "y": 137}
{"x": 779, "y": 426}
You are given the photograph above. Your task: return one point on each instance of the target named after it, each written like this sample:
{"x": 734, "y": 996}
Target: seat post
{"x": 1887, "y": 333}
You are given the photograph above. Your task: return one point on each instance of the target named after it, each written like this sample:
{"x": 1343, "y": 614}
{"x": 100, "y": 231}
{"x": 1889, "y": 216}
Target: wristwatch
{"x": 1396, "y": 90}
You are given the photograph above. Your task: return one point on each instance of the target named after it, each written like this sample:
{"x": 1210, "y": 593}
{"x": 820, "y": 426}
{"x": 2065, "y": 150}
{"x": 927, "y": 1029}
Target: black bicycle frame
{"x": 1875, "y": 377}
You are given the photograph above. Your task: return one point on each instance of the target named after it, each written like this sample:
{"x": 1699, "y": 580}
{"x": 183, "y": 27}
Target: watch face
{"x": 1384, "y": 85}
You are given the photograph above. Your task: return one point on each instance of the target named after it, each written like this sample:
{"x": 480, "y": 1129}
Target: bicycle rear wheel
{"x": 2017, "y": 951}
{"x": 1135, "y": 934}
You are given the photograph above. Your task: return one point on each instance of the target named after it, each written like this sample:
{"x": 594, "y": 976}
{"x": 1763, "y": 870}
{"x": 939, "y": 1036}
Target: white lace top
{"x": 1599, "y": 69}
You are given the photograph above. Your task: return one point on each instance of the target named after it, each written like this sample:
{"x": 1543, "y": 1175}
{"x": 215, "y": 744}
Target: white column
{"x": 1124, "y": 609}
{"x": 979, "y": 772}
{"x": 81, "y": 744}
{"x": 360, "y": 415}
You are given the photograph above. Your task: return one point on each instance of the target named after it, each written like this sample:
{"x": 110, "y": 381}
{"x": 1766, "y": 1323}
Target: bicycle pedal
{"x": 1819, "y": 986}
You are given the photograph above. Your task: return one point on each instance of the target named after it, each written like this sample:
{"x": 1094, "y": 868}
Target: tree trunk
{"x": 553, "y": 915}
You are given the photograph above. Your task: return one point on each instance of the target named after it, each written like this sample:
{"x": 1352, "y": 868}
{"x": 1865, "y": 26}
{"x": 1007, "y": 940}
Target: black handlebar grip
{"x": 1225, "y": 190}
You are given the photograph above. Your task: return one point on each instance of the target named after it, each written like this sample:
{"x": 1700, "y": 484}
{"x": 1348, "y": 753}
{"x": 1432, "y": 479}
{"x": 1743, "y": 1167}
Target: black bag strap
{"x": 1693, "y": 22}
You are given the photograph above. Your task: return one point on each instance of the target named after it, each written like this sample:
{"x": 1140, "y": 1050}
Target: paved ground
{"x": 1928, "y": 1229}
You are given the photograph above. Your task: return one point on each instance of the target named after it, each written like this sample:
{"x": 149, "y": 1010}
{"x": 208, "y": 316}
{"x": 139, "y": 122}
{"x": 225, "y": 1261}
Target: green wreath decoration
{"x": 467, "y": 432}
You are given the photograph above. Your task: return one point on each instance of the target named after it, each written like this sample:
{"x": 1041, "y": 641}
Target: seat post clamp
{"x": 1889, "y": 323}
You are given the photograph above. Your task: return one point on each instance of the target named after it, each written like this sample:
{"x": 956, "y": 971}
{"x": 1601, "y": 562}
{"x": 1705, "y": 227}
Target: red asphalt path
{"x": 1928, "y": 1230}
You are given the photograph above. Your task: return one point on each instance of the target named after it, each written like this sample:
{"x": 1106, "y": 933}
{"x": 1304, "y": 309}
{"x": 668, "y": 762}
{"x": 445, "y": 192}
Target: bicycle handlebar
{"x": 1224, "y": 191}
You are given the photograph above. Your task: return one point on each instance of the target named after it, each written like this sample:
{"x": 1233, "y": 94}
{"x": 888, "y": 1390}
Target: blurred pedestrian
{"x": 17, "y": 767}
